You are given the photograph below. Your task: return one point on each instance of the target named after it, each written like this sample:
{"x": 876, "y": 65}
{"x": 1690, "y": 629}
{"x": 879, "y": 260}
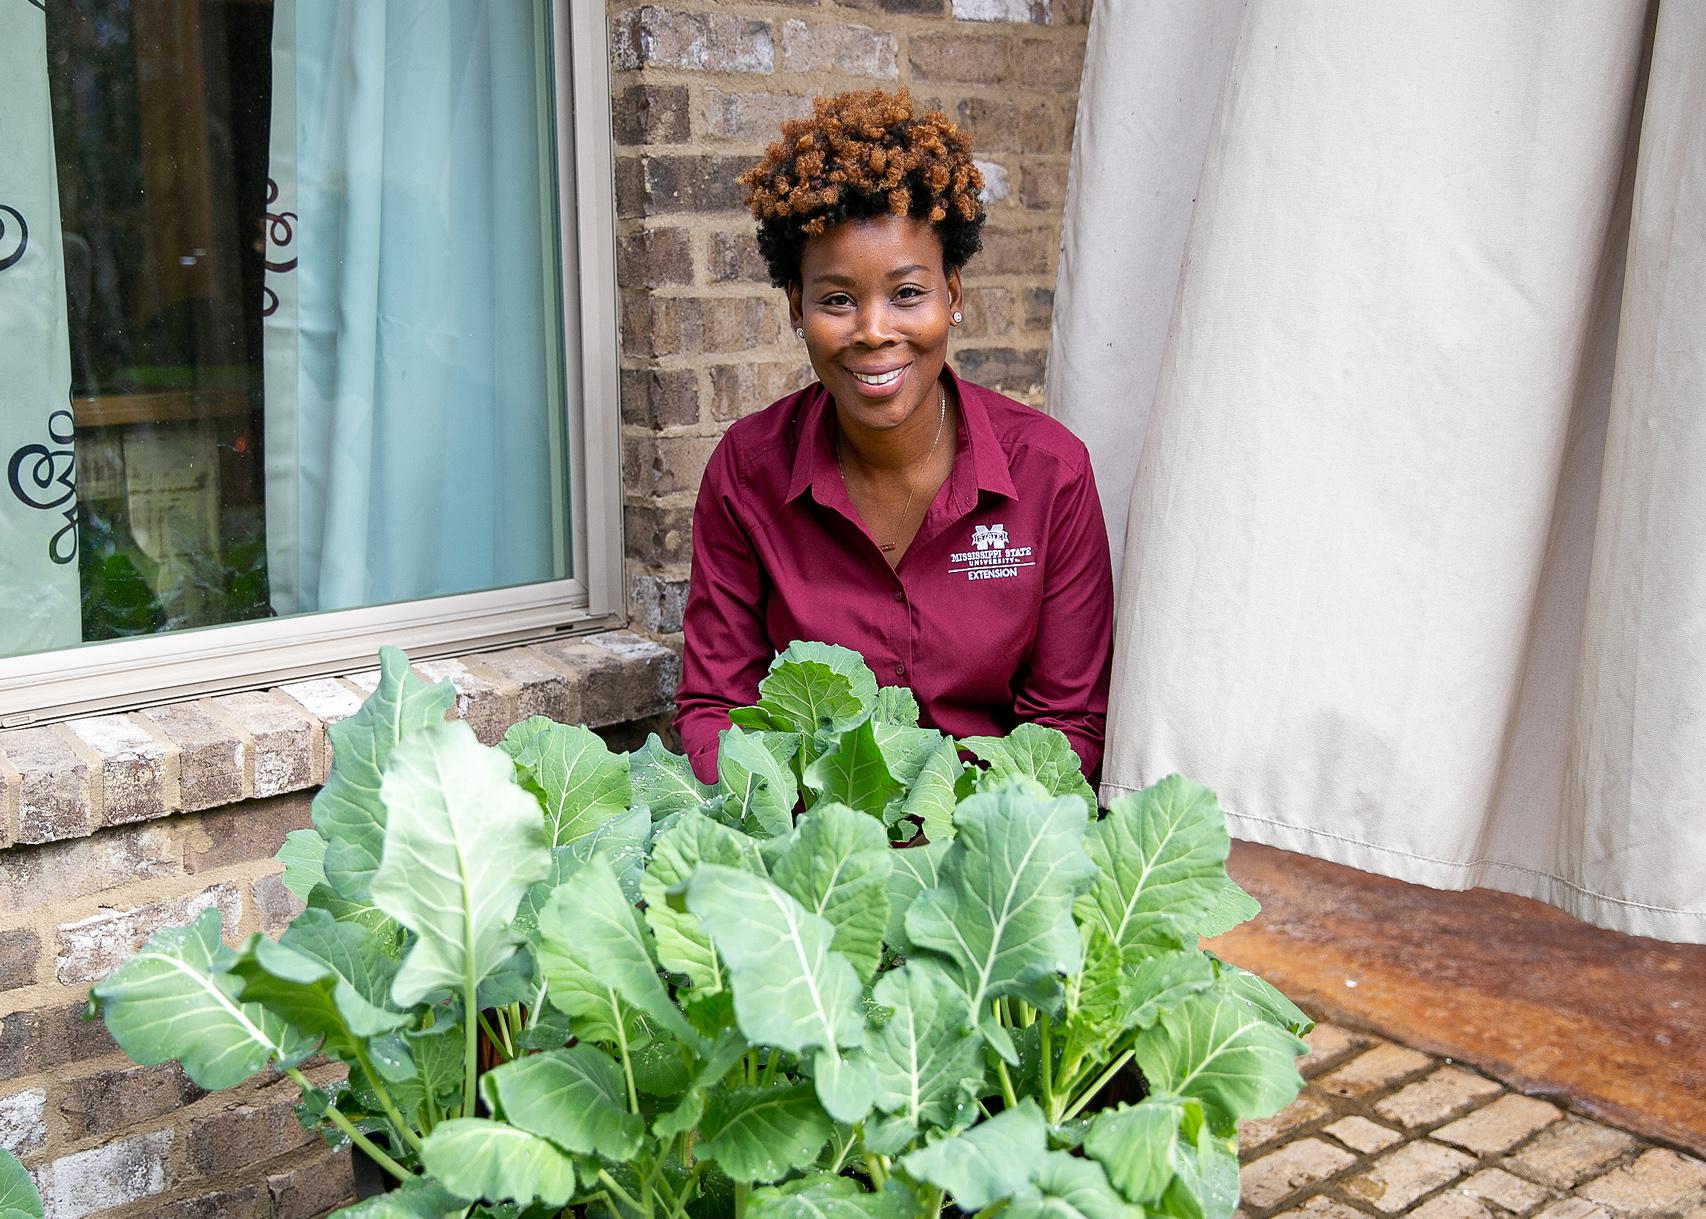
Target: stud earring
{"x": 954, "y": 317}
{"x": 799, "y": 332}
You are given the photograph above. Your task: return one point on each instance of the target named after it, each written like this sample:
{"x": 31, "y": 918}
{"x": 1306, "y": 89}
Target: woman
{"x": 950, "y": 535}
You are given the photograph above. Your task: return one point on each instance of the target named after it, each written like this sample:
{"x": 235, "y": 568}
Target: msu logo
{"x": 989, "y": 537}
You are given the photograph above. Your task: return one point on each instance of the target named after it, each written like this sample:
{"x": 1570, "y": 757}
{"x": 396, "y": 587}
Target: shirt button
{"x": 900, "y": 670}
{"x": 899, "y": 596}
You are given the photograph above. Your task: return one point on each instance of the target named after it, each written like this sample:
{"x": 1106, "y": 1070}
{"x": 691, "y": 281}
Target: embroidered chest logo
{"x": 991, "y": 557}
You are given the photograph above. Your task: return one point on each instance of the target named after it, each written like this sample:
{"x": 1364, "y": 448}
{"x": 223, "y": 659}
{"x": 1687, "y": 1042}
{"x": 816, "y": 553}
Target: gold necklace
{"x": 912, "y": 491}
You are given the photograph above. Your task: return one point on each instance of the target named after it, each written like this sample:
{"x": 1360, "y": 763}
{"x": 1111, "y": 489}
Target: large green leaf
{"x": 791, "y": 990}
{"x": 991, "y": 1161}
{"x": 1159, "y": 984}
{"x": 574, "y": 1097}
{"x": 861, "y": 681}
{"x": 363, "y": 912}
{"x": 1206, "y": 1185}
{"x": 932, "y": 796}
{"x": 760, "y": 787}
{"x": 896, "y": 705}
{"x": 1161, "y": 860}
{"x": 593, "y": 950}
{"x": 687, "y": 841}
{"x": 821, "y": 1196}
{"x": 580, "y": 783}
{"x": 421, "y": 1198}
{"x": 852, "y": 771}
{"x": 349, "y": 810}
{"x": 1230, "y": 907}
{"x": 304, "y": 858}
{"x": 926, "y": 1057}
{"x": 459, "y": 856}
{"x": 17, "y": 1192}
{"x": 323, "y": 977}
{"x": 177, "y": 998}
{"x": 905, "y": 747}
{"x": 476, "y": 1158}
{"x": 622, "y": 841}
{"x": 1001, "y": 915}
{"x": 1268, "y": 1002}
{"x": 916, "y": 869}
{"x": 806, "y": 695}
{"x": 1140, "y": 1145}
{"x": 1221, "y": 1051}
{"x": 1033, "y": 752}
{"x": 664, "y": 781}
{"x": 763, "y": 1134}
{"x": 1066, "y": 1187}
{"x": 836, "y": 864}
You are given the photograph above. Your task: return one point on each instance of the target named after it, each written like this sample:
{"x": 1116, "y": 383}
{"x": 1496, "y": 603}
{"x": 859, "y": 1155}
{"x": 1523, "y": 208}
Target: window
{"x": 308, "y": 331}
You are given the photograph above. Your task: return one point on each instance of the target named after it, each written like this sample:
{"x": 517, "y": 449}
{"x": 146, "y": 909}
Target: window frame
{"x": 109, "y": 675}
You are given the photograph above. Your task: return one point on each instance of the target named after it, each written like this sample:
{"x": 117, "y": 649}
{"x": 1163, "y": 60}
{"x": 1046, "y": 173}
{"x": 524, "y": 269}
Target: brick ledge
{"x": 70, "y": 779}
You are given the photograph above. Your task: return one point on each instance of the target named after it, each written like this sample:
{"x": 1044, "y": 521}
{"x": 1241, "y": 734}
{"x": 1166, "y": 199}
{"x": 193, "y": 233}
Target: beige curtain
{"x": 1386, "y": 325}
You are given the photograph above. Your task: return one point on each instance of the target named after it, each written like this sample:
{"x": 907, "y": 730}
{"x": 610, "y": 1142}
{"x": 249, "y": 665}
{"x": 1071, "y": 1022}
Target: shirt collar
{"x": 814, "y": 458}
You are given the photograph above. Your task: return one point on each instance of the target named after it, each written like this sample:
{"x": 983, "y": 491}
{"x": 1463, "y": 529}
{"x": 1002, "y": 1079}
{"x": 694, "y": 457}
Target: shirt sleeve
{"x": 1064, "y": 684}
{"x": 726, "y": 649}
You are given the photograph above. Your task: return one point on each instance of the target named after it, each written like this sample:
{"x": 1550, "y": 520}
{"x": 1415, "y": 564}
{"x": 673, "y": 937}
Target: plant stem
{"x": 933, "y": 1202}
{"x": 470, "y": 1007}
{"x": 1089, "y": 1093}
{"x": 876, "y": 1169}
{"x": 991, "y": 1209}
{"x": 1007, "y": 1093}
{"x": 1045, "y": 1066}
{"x": 355, "y": 1136}
{"x": 499, "y": 1042}
{"x": 385, "y": 1102}
{"x": 770, "y": 1066}
{"x": 741, "y": 1192}
{"x": 627, "y": 1067}
{"x": 609, "y": 1183}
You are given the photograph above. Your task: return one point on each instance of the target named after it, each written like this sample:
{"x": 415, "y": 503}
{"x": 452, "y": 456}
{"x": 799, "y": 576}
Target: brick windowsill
{"x": 68, "y": 780}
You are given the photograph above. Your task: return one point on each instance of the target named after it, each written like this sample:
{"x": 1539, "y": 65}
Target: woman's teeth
{"x": 886, "y": 378}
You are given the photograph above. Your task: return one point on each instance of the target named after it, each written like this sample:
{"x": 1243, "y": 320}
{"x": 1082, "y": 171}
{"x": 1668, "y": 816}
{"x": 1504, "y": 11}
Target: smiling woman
{"x": 951, "y": 535}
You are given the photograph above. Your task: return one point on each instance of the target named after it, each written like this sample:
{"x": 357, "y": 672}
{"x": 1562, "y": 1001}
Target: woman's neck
{"x": 899, "y": 451}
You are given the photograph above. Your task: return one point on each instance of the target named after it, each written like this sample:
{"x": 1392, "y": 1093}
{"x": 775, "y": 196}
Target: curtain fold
{"x": 39, "y": 592}
{"x": 410, "y": 352}
{"x": 1402, "y": 310}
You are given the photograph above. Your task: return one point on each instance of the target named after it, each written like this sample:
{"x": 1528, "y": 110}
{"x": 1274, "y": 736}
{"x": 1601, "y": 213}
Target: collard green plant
{"x": 18, "y": 1197}
{"x": 563, "y": 981}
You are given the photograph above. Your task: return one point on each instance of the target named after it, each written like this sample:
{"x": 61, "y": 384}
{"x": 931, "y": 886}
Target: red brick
{"x": 653, "y": 36}
{"x": 1658, "y": 1181}
{"x": 1276, "y": 1177}
{"x": 1005, "y": 369}
{"x": 210, "y": 755}
{"x": 734, "y": 258}
{"x": 309, "y": 1189}
{"x": 739, "y": 389}
{"x": 54, "y": 783}
{"x": 246, "y": 832}
{"x": 1443, "y": 1094}
{"x": 1051, "y": 61}
{"x": 221, "y": 1143}
{"x": 1500, "y": 1125}
{"x": 1262, "y": 1131}
{"x": 650, "y": 114}
{"x": 246, "y": 1202}
{"x": 747, "y": 117}
{"x": 959, "y": 58}
{"x": 1569, "y": 1151}
{"x": 540, "y": 689}
{"x": 838, "y": 46}
{"x": 20, "y": 951}
{"x": 660, "y": 398}
{"x": 137, "y": 772}
{"x": 79, "y": 867}
{"x": 1014, "y": 251}
{"x": 661, "y": 534}
{"x": 91, "y": 948}
{"x": 1406, "y": 1174}
{"x": 105, "y": 1101}
{"x": 1377, "y": 1068}
{"x": 654, "y": 258}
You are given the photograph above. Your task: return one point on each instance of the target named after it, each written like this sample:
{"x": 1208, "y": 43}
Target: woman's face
{"x": 874, "y": 300}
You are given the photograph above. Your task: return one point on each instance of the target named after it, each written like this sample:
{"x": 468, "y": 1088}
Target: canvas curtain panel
{"x": 1384, "y": 326}
{"x": 38, "y": 506}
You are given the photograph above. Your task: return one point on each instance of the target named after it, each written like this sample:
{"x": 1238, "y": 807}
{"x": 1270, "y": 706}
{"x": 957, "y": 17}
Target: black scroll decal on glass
{"x": 281, "y": 235}
{"x": 44, "y": 477}
{"x": 9, "y": 258}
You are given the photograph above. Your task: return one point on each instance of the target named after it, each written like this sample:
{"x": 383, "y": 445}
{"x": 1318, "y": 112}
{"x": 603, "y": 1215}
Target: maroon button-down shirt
{"x": 999, "y": 613}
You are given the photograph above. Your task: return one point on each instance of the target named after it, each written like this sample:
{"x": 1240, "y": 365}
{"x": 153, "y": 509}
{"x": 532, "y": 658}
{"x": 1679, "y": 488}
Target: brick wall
{"x": 114, "y": 826}
{"x": 698, "y": 89}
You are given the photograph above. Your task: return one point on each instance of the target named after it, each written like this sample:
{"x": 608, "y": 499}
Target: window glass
{"x": 310, "y": 356}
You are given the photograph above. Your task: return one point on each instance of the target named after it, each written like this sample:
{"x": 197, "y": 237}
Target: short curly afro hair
{"x": 861, "y": 154}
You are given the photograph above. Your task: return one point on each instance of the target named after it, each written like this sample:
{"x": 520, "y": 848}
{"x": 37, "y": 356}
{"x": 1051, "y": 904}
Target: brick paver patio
{"x": 1381, "y": 1130}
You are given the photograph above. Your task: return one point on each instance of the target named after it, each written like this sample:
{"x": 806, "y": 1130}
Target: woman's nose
{"x": 875, "y": 325}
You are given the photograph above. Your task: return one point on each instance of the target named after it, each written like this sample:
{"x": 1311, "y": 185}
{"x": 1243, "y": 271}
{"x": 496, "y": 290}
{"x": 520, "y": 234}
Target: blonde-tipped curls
{"x": 861, "y": 154}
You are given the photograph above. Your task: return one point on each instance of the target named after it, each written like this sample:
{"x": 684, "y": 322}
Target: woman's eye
{"x": 838, "y": 300}
{"x": 908, "y": 292}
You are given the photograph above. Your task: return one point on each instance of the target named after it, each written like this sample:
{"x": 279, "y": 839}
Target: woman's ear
{"x": 954, "y": 288}
{"x": 796, "y": 310}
